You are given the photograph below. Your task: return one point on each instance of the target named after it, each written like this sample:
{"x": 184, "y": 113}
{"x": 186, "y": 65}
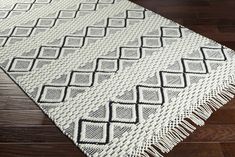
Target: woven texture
{"x": 116, "y": 78}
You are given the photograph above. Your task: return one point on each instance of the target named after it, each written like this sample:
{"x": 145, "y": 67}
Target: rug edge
{"x": 187, "y": 126}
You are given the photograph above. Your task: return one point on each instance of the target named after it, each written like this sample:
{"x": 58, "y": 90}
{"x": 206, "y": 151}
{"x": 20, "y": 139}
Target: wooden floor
{"x": 26, "y": 132}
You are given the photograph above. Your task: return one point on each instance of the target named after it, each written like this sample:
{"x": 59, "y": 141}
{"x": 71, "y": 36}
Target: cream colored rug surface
{"x": 117, "y": 79}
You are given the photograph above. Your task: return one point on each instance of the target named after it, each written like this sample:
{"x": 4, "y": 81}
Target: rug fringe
{"x": 168, "y": 139}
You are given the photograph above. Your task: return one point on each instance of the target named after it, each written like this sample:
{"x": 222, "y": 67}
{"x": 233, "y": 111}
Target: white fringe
{"x": 173, "y": 134}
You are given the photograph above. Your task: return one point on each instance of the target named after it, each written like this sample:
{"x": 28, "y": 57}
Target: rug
{"x": 116, "y": 78}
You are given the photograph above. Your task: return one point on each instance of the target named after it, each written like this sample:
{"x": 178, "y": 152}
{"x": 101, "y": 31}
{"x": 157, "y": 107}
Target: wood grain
{"x": 39, "y": 150}
{"x": 25, "y": 131}
{"x": 197, "y": 150}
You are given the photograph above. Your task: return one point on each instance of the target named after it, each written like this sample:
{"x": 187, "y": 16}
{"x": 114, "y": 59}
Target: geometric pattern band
{"x": 152, "y": 93}
{"x": 78, "y": 80}
{"x": 32, "y": 28}
{"x": 36, "y": 58}
{"x": 102, "y": 69}
{"x": 22, "y": 7}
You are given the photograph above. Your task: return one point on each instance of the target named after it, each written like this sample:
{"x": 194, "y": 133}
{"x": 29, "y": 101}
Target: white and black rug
{"x": 117, "y": 79}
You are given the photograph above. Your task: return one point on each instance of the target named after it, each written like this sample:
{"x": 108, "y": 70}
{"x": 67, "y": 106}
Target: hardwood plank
{"x": 228, "y": 149}
{"x": 12, "y": 97}
{"x": 23, "y": 117}
{"x": 40, "y": 150}
{"x": 158, "y": 3}
{"x": 213, "y": 133}
{"x": 223, "y": 116}
{"x": 13, "y": 103}
{"x": 227, "y": 28}
{"x": 25, "y": 134}
{"x": 12, "y": 91}
{"x": 4, "y": 79}
{"x": 196, "y": 150}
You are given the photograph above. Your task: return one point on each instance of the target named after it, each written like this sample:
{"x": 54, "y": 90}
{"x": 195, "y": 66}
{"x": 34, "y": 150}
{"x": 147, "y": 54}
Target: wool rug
{"x": 116, "y": 78}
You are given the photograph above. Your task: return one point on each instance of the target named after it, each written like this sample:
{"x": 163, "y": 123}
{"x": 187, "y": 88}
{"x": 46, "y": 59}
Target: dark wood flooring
{"x": 26, "y": 132}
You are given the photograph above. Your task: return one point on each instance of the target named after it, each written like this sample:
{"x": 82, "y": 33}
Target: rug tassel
{"x": 154, "y": 152}
{"x": 144, "y": 154}
{"x": 170, "y": 137}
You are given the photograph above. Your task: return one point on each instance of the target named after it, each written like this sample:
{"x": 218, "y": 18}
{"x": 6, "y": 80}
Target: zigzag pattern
{"x": 102, "y": 68}
{"x": 146, "y": 96}
{"x": 110, "y": 73}
{"x": 71, "y": 43}
{"x": 18, "y": 33}
{"x": 20, "y": 8}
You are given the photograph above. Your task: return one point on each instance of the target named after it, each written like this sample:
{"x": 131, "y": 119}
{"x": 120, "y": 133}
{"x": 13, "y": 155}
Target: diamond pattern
{"x": 172, "y": 79}
{"x": 93, "y": 132}
{"x": 49, "y": 52}
{"x": 87, "y": 7}
{"x": 96, "y": 32}
{"x": 171, "y": 32}
{"x": 145, "y": 98}
{"x": 52, "y": 94}
{"x": 130, "y": 109}
{"x": 53, "y": 19}
{"x": 105, "y": 66}
{"x": 195, "y": 66}
{"x": 148, "y": 95}
{"x": 154, "y": 92}
{"x": 21, "y": 65}
{"x": 21, "y": 31}
{"x": 83, "y": 79}
{"x": 117, "y": 23}
{"x": 146, "y": 110}
{"x": 130, "y": 53}
{"x": 123, "y": 113}
{"x": 213, "y": 54}
{"x": 71, "y": 43}
{"x": 13, "y": 40}
{"x": 46, "y": 22}
{"x": 152, "y": 42}
{"x": 134, "y": 14}
{"x": 19, "y": 8}
{"x": 22, "y": 7}
{"x": 67, "y": 14}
